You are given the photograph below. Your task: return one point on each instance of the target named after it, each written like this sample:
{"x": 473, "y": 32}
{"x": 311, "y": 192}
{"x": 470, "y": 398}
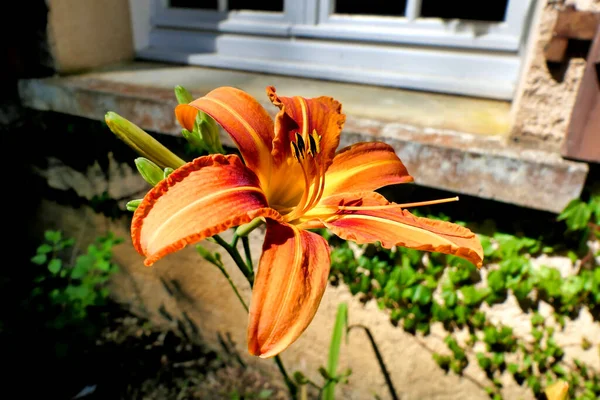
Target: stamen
{"x": 301, "y": 144}
{"x": 294, "y": 213}
{"x": 295, "y": 151}
{"x": 405, "y": 205}
{"x": 312, "y": 146}
{"x": 317, "y": 138}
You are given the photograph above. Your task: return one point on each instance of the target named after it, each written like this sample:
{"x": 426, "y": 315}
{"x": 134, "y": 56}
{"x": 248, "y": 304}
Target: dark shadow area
{"x": 575, "y": 49}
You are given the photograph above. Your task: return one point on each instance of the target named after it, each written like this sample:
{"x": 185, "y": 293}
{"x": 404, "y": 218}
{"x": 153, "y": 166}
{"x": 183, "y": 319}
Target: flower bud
{"x": 133, "y": 204}
{"x": 151, "y": 172}
{"x": 168, "y": 171}
{"x": 182, "y": 95}
{"x": 144, "y": 144}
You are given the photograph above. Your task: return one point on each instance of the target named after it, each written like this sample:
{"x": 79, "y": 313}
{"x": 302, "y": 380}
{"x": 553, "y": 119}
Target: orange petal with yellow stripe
{"x": 246, "y": 121}
{"x": 365, "y": 167}
{"x": 291, "y": 279}
{"x": 397, "y": 227}
{"x": 198, "y": 200}
{"x": 322, "y": 114}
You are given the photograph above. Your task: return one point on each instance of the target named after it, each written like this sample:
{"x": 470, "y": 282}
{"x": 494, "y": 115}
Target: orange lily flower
{"x": 292, "y": 177}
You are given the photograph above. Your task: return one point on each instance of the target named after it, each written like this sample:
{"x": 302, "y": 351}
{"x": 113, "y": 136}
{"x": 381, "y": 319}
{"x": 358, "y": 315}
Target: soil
{"x": 142, "y": 363}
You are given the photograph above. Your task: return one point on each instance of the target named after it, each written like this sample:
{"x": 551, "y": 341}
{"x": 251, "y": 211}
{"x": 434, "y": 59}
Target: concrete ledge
{"x": 435, "y": 149}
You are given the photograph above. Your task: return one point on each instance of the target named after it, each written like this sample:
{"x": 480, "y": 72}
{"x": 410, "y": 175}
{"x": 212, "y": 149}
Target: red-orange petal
{"x": 398, "y": 227}
{"x": 291, "y": 279}
{"x": 198, "y": 200}
{"x": 364, "y": 167}
{"x": 323, "y": 114}
{"x": 248, "y": 123}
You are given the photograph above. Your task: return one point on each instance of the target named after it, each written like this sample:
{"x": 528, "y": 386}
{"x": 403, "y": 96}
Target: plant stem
{"x": 235, "y": 290}
{"x": 247, "y": 252}
{"x": 290, "y": 384}
{"x": 235, "y": 254}
{"x": 247, "y": 269}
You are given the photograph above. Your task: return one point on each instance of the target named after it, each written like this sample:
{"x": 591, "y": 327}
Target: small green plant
{"x": 69, "y": 286}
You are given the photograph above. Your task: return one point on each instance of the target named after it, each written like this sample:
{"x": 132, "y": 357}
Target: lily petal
{"x": 397, "y": 227}
{"x": 364, "y": 167}
{"x": 291, "y": 279}
{"x": 248, "y": 123}
{"x": 198, "y": 200}
{"x": 323, "y": 114}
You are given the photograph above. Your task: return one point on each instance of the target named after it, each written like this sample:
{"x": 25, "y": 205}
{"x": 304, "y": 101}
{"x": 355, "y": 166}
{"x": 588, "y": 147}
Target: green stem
{"x": 290, "y": 384}
{"x": 234, "y": 240}
{"x": 246, "y": 244}
{"x": 235, "y": 290}
{"x": 235, "y": 254}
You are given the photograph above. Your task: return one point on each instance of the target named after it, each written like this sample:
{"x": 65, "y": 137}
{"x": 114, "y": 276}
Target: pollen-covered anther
{"x": 314, "y": 142}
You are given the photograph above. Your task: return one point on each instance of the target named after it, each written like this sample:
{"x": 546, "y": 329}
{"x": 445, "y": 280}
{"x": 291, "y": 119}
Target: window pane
{"x": 479, "y": 10}
{"x": 204, "y": 4}
{"x": 393, "y": 8}
{"x": 258, "y": 5}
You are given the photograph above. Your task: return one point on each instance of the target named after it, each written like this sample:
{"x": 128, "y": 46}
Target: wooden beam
{"x": 583, "y": 135}
{"x": 570, "y": 24}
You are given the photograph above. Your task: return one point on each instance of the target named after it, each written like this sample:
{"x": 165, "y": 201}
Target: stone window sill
{"x": 447, "y": 142}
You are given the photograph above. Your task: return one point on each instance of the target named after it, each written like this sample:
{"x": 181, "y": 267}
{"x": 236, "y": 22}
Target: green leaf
{"x": 341, "y": 324}
{"x": 496, "y": 280}
{"x": 576, "y": 215}
{"x": 39, "y": 259}
{"x": 422, "y": 295}
{"x": 265, "y": 394}
{"x": 44, "y": 249}
{"x": 52, "y": 236}
{"x": 450, "y": 298}
{"x": 54, "y": 265}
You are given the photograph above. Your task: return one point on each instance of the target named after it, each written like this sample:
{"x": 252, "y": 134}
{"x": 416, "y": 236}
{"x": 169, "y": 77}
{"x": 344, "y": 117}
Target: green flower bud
{"x": 133, "y": 204}
{"x": 208, "y": 130}
{"x": 168, "y": 171}
{"x": 144, "y": 144}
{"x": 182, "y": 95}
{"x": 194, "y": 139}
{"x": 151, "y": 172}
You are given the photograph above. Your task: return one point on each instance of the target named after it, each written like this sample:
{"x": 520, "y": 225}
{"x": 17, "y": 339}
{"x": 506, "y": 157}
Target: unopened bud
{"x": 151, "y": 172}
{"x": 194, "y": 139}
{"x": 168, "y": 171}
{"x": 182, "y": 95}
{"x": 133, "y": 204}
{"x": 213, "y": 258}
{"x": 144, "y": 144}
{"x": 209, "y": 132}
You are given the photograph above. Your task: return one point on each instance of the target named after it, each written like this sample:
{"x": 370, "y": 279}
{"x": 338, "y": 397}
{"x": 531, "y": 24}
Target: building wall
{"x": 89, "y": 34}
{"x": 544, "y": 104}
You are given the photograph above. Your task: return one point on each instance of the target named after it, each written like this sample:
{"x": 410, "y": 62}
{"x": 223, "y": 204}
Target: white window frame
{"x": 411, "y": 29}
{"x": 308, "y": 40}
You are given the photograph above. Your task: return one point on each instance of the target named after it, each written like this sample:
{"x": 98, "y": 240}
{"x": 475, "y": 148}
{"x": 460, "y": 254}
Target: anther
{"x": 295, "y": 151}
{"x": 301, "y": 144}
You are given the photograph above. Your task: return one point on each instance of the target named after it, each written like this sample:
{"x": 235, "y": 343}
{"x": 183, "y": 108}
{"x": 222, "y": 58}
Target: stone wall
{"x": 544, "y": 103}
